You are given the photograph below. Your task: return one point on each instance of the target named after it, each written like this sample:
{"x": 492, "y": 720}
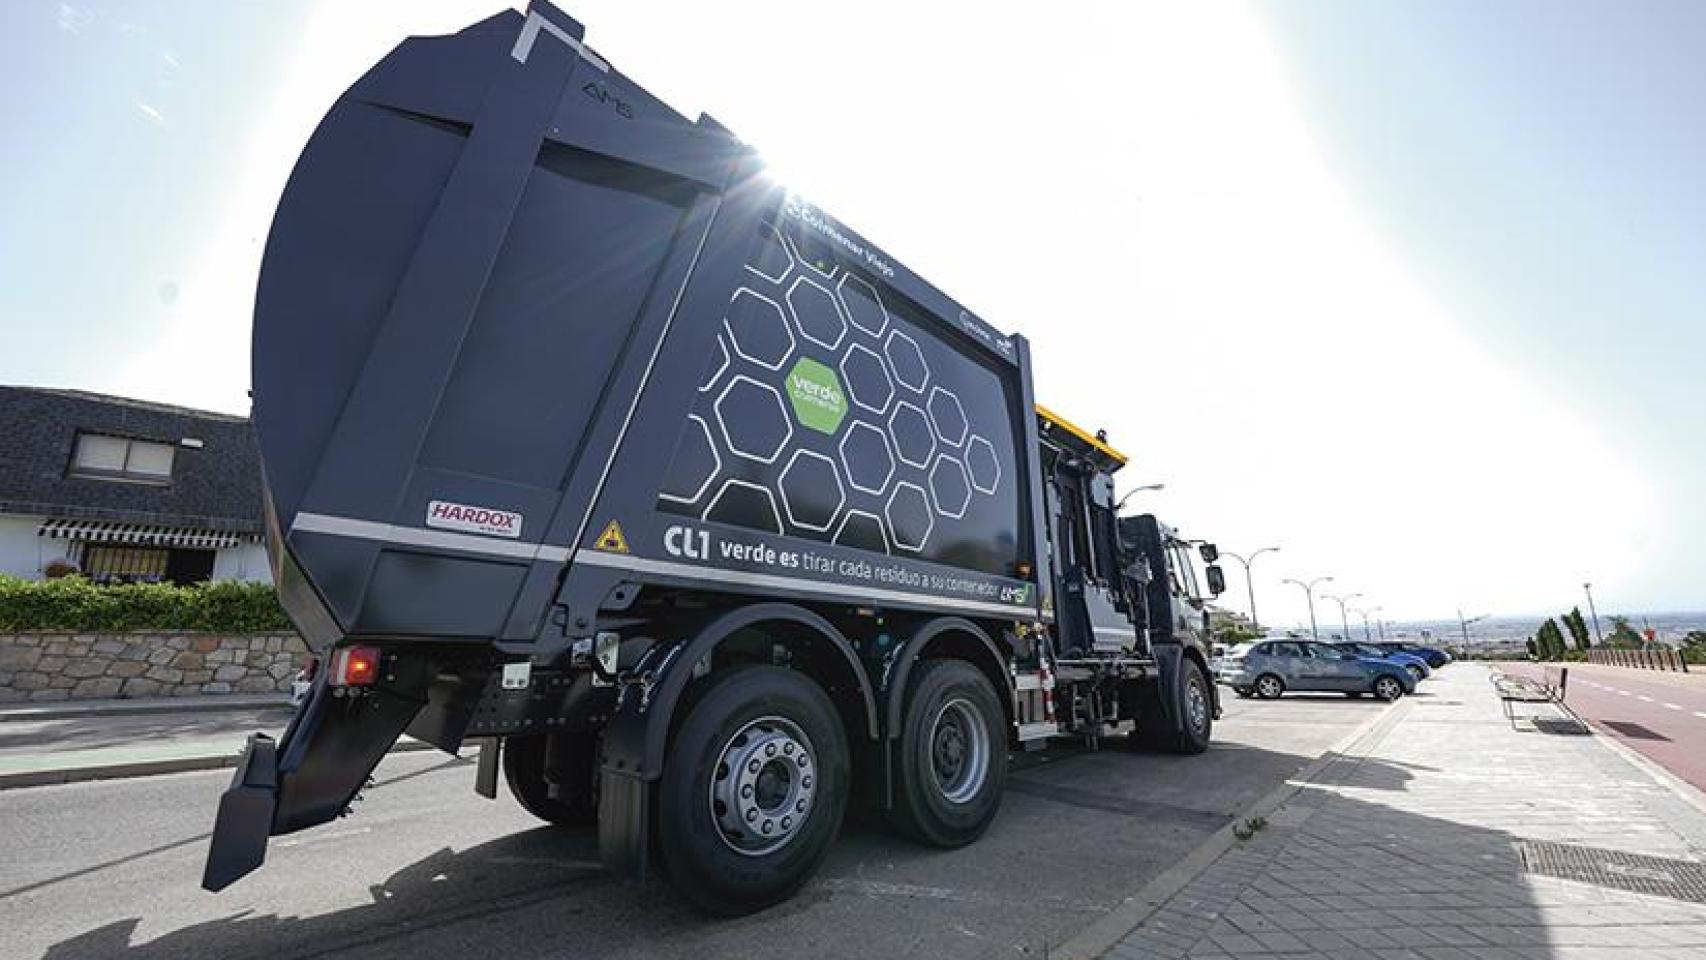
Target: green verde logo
{"x": 818, "y": 399}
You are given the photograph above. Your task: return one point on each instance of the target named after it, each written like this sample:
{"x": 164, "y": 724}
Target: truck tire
{"x": 952, "y": 762}
{"x": 576, "y": 803}
{"x": 1196, "y": 704}
{"x": 753, "y": 790}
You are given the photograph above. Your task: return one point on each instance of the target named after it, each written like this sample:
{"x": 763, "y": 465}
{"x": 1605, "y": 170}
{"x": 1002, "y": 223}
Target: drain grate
{"x": 1634, "y": 872}
{"x": 1635, "y": 731}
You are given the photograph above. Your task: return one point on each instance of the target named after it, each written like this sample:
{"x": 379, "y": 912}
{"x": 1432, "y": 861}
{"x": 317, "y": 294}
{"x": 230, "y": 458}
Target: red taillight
{"x": 355, "y": 667}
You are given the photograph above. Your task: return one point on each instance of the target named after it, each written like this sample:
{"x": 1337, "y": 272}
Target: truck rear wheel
{"x": 754, "y": 790}
{"x": 574, "y": 759}
{"x": 953, "y": 756}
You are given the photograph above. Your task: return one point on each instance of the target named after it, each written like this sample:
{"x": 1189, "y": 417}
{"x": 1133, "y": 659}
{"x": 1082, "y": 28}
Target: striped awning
{"x": 140, "y": 534}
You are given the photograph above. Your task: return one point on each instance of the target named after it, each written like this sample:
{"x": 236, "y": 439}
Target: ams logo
{"x": 601, "y": 93}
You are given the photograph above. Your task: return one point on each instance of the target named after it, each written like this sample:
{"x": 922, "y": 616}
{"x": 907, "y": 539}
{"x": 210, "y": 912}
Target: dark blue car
{"x": 1415, "y": 663}
{"x": 1436, "y": 658}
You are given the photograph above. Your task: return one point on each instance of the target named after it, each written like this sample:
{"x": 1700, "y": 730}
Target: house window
{"x": 107, "y": 563}
{"x": 121, "y": 563}
{"x": 120, "y": 458}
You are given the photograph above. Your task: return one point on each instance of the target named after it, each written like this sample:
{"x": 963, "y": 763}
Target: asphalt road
{"x": 425, "y": 868}
{"x": 1661, "y": 716}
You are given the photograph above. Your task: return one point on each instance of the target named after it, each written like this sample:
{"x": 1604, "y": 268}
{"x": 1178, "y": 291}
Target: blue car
{"x": 1269, "y": 668}
{"x": 1435, "y": 657}
{"x": 1416, "y": 664}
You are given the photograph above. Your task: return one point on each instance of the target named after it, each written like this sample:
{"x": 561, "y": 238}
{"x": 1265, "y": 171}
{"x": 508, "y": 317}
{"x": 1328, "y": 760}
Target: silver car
{"x": 1269, "y": 668}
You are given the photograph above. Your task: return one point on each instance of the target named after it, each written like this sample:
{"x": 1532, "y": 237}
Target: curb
{"x": 1101, "y": 936}
{"x": 148, "y": 768}
{"x": 207, "y": 703}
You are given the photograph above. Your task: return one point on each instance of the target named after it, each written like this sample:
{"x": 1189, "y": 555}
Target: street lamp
{"x": 1598, "y": 638}
{"x": 1363, "y": 613}
{"x": 1464, "y": 625}
{"x": 1146, "y": 488}
{"x": 1251, "y": 584}
{"x": 1344, "y": 618}
{"x": 1309, "y": 592}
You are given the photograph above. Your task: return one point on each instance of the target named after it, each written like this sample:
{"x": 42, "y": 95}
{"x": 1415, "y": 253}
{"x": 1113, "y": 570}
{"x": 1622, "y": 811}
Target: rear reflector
{"x": 355, "y": 667}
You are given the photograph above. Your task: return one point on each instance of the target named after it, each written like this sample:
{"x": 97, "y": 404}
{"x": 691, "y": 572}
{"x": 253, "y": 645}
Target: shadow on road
{"x": 1079, "y": 832}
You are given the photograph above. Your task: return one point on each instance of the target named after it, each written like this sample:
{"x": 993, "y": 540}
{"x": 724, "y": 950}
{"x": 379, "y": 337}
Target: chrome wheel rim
{"x": 1196, "y": 705}
{"x": 763, "y": 787}
{"x": 1387, "y": 688}
{"x": 959, "y": 751}
{"x": 1268, "y": 687}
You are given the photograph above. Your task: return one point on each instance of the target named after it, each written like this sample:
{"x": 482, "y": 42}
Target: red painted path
{"x": 1662, "y": 716}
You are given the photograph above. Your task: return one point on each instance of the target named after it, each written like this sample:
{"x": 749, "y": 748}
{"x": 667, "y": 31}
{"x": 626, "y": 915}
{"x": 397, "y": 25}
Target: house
{"x": 127, "y": 490}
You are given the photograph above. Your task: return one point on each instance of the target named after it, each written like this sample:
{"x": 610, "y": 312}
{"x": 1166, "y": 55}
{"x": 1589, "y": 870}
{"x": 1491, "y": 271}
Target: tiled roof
{"x": 215, "y": 486}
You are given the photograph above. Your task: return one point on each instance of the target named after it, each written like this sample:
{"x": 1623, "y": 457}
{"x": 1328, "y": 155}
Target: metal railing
{"x": 1640, "y": 659}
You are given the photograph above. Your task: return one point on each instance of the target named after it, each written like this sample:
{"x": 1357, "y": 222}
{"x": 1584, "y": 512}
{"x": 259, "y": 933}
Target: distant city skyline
{"x": 1411, "y": 290}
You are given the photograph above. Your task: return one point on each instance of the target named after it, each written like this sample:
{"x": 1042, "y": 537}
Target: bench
{"x": 1550, "y": 688}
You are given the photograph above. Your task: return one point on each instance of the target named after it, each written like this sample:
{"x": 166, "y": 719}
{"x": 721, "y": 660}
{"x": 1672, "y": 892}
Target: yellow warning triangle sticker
{"x": 611, "y": 540}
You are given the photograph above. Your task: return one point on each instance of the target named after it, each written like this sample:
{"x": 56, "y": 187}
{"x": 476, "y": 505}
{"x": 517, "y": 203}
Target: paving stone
{"x": 1409, "y": 852}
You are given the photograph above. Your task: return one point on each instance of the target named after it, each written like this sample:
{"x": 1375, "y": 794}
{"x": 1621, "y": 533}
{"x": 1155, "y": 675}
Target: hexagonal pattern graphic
{"x": 816, "y": 313}
{"x": 771, "y": 260}
{"x": 863, "y": 305}
{"x": 867, "y": 379}
{"x": 948, "y": 416}
{"x": 914, "y": 437}
{"x": 862, "y": 530}
{"x": 695, "y": 465}
{"x": 714, "y": 368}
{"x": 907, "y": 361}
{"x": 754, "y": 421}
{"x": 813, "y": 260}
{"x": 757, "y": 329}
{"x": 983, "y": 467}
{"x": 949, "y": 486}
{"x": 816, "y": 395}
{"x": 812, "y": 495}
{"x": 866, "y": 458}
{"x": 909, "y": 516}
{"x": 744, "y": 504}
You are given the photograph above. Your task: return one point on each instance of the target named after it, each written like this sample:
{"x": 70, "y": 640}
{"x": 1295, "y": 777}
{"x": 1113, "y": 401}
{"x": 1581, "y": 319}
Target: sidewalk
{"x": 99, "y": 740}
{"x": 1445, "y": 833}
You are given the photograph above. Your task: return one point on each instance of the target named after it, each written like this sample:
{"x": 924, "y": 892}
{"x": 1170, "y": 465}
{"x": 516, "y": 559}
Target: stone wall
{"x": 76, "y": 666}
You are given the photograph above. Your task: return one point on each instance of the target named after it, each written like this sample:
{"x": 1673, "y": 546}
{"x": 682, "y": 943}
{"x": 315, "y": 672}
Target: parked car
{"x": 1435, "y": 657}
{"x": 1269, "y": 668}
{"x": 1417, "y": 665}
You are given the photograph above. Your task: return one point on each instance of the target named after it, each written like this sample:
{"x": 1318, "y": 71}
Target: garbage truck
{"x": 697, "y": 513}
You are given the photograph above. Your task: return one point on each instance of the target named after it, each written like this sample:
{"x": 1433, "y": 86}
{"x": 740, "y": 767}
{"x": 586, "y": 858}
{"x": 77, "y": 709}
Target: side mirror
{"x": 1210, "y": 553}
{"x": 1216, "y": 581}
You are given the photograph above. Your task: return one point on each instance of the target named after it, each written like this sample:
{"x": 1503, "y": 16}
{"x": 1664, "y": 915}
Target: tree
{"x": 1533, "y": 649}
{"x": 1623, "y": 635}
{"x": 1578, "y": 628}
{"x": 1550, "y": 639}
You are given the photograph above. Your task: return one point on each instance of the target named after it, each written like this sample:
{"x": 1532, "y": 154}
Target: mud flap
{"x": 244, "y": 822}
{"x": 624, "y": 823}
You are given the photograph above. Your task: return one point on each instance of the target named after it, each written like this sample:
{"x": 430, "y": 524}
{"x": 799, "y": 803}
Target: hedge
{"x": 73, "y": 604}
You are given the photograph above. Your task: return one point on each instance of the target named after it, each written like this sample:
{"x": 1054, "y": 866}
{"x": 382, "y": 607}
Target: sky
{"x": 1413, "y": 291}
